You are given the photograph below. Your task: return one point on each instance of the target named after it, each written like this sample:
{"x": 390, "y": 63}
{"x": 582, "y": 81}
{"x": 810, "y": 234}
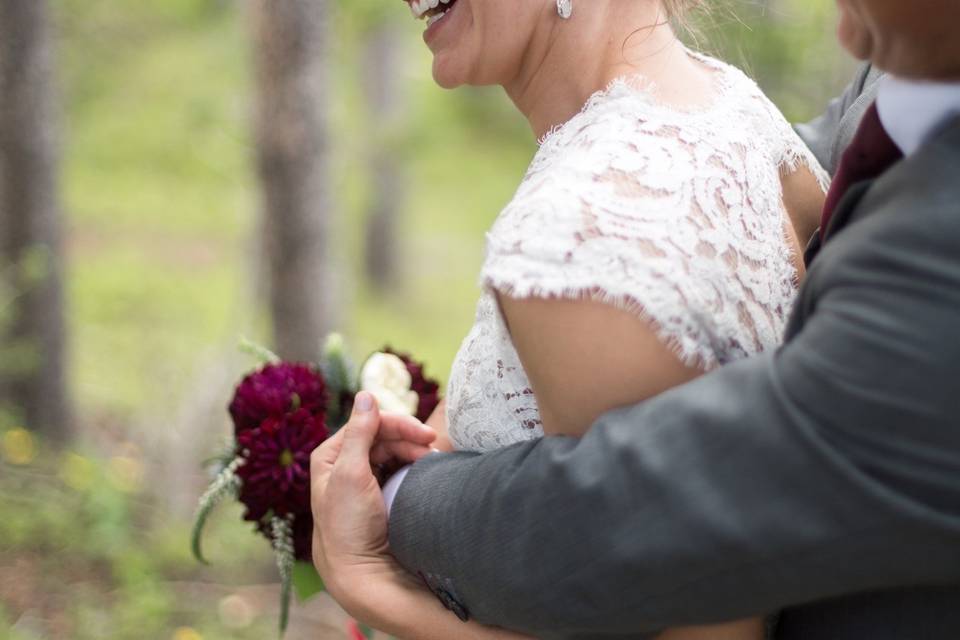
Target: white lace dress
{"x": 676, "y": 216}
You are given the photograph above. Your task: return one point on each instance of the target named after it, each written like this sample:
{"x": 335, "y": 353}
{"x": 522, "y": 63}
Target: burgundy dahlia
{"x": 303, "y": 536}
{"x": 275, "y": 390}
{"x": 427, "y": 389}
{"x": 275, "y": 474}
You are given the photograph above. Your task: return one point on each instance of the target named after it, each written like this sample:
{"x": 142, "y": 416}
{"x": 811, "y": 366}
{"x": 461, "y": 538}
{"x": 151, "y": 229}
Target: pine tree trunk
{"x": 292, "y": 150}
{"x": 32, "y": 374}
{"x": 382, "y": 87}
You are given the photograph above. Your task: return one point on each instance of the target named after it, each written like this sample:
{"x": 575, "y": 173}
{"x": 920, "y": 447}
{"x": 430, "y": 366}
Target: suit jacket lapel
{"x": 845, "y": 132}
{"x": 845, "y": 208}
{"x": 851, "y": 119}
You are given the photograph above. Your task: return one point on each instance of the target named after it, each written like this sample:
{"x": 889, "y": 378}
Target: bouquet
{"x": 283, "y": 411}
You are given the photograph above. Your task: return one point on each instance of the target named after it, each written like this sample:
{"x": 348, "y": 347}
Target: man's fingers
{"x": 398, "y": 450}
{"x": 360, "y": 432}
{"x": 322, "y": 460}
{"x": 394, "y": 426}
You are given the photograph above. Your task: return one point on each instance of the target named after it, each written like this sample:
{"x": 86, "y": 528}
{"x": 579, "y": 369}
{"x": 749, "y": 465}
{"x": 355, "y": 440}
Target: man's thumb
{"x": 361, "y": 431}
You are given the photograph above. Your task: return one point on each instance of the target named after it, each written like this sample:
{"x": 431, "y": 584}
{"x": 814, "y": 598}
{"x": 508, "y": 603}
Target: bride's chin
{"x": 445, "y": 75}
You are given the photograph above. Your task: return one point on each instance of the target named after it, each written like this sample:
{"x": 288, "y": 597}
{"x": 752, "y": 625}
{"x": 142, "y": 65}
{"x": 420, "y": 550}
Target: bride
{"x": 655, "y": 236}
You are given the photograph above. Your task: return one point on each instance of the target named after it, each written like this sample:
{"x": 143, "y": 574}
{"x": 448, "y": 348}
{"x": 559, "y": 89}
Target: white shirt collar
{"x": 912, "y": 110}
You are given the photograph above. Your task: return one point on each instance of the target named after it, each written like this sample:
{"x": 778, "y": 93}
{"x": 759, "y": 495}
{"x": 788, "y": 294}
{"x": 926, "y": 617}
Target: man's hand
{"x": 350, "y": 532}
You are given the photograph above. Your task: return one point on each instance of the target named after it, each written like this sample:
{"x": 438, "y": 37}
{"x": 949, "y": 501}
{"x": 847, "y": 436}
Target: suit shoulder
{"x": 907, "y": 222}
{"x": 926, "y": 186}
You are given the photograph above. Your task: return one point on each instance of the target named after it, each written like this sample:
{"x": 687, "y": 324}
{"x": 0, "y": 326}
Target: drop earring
{"x": 564, "y": 8}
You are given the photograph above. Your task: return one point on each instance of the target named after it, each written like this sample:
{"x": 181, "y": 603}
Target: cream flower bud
{"x": 386, "y": 377}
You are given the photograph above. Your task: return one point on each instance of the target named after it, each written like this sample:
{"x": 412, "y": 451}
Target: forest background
{"x": 165, "y": 265}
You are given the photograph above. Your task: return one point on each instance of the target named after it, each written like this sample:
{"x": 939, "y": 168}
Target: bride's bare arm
{"x": 585, "y": 358}
{"x": 803, "y": 198}
{"x": 438, "y": 422}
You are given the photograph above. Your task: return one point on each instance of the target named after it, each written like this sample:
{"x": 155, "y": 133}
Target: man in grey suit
{"x": 821, "y": 481}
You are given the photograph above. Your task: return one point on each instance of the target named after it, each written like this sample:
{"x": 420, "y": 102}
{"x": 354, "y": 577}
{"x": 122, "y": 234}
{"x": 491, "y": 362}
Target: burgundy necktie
{"x": 870, "y": 153}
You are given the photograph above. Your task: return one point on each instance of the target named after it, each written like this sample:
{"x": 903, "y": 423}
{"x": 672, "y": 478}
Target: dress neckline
{"x": 638, "y": 86}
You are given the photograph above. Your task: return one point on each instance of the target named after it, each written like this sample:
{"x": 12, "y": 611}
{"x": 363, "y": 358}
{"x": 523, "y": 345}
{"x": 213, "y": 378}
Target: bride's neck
{"x": 571, "y": 59}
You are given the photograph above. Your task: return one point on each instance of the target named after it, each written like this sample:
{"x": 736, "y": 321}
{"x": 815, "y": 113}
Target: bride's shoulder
{"x": 733, "y": 81}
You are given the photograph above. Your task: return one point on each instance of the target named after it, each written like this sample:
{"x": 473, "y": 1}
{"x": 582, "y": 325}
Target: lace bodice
{"x": 676, "y": 216}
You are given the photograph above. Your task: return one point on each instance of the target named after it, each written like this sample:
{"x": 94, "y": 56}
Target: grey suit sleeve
{"x": 829, "y": 467}
{"x": 825, "y": 134}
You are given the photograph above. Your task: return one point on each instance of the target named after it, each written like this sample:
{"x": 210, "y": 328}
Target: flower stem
{"x": 227, "y": 483}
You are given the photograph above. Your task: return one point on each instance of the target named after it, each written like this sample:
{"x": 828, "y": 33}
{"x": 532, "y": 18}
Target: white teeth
{"x": 420, "y": 7}
{"x": 433, "y": 19}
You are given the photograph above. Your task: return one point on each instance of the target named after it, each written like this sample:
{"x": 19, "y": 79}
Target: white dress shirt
{"x": 393, "y": 485}
{"x": 910, "y": 111}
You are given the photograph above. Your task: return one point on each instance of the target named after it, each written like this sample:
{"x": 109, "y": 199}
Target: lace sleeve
{"x": 674, "y": 224}
{"x": 787, "y": 145}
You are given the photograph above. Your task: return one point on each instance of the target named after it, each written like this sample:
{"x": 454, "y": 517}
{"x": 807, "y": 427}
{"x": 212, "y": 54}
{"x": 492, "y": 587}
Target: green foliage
{"x": 96, "y": 557}
{"x": 258, "y": 352}
{"x": 306, "y": 581}
{"x": 161, "y": 195}
{"x": 226, "y": 485}
{"x": 788, "y": 46}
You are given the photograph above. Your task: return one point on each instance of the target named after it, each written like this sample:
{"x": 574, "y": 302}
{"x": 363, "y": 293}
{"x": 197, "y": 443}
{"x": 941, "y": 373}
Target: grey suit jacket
{"x": 789, "y": 480}
{"x": 831, "y": 133}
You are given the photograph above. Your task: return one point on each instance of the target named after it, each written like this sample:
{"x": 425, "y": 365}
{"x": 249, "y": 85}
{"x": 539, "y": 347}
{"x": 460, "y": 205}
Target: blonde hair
{"x": 677, "y": 9}
{"x": 677, "y": 12}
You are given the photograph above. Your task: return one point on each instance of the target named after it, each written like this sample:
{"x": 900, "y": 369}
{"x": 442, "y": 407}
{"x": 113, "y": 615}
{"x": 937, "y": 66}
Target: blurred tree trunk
{"x": 381, "y": 78}
{"x": 292, "y": 78}
{"x": 32, "y": 373}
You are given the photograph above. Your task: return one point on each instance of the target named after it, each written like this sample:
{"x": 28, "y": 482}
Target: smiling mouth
{"x": 430, "y": 10}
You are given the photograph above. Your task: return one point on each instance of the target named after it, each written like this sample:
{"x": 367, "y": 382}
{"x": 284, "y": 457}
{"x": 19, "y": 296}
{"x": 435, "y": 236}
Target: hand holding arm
{"x": 350, "y": 535}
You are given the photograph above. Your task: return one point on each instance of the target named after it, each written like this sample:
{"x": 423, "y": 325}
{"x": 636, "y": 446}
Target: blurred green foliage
{"x": 87, "y": 555}
{"x": 161, "y": 199}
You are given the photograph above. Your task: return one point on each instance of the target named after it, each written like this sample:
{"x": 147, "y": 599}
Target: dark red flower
{"x": 275, "y": 474}
{"x": 275, "y": 390}
{"x": 303, "y": 536}
{"x": 427, "y": 389}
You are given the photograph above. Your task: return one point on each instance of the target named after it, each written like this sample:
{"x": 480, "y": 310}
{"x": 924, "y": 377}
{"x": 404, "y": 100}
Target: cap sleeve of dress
{"x": 655, "y": 219}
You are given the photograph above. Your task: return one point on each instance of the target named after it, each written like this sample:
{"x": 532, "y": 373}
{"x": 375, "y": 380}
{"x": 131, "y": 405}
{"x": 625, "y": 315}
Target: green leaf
{"x": 284, "y": 603}
{"x": 338, "y": 373}
{"x": 261, "y": 353}
{"x": 225, "y": 484}
{"x": 196, "y": 534}
{"x": 306, "y": 581}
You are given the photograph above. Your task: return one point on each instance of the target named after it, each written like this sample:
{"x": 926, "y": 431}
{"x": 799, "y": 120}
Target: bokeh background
{"x": 164, "y": 167}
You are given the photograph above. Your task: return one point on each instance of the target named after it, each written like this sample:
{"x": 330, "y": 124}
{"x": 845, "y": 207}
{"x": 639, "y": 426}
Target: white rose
{"x": 386, "y": 377}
